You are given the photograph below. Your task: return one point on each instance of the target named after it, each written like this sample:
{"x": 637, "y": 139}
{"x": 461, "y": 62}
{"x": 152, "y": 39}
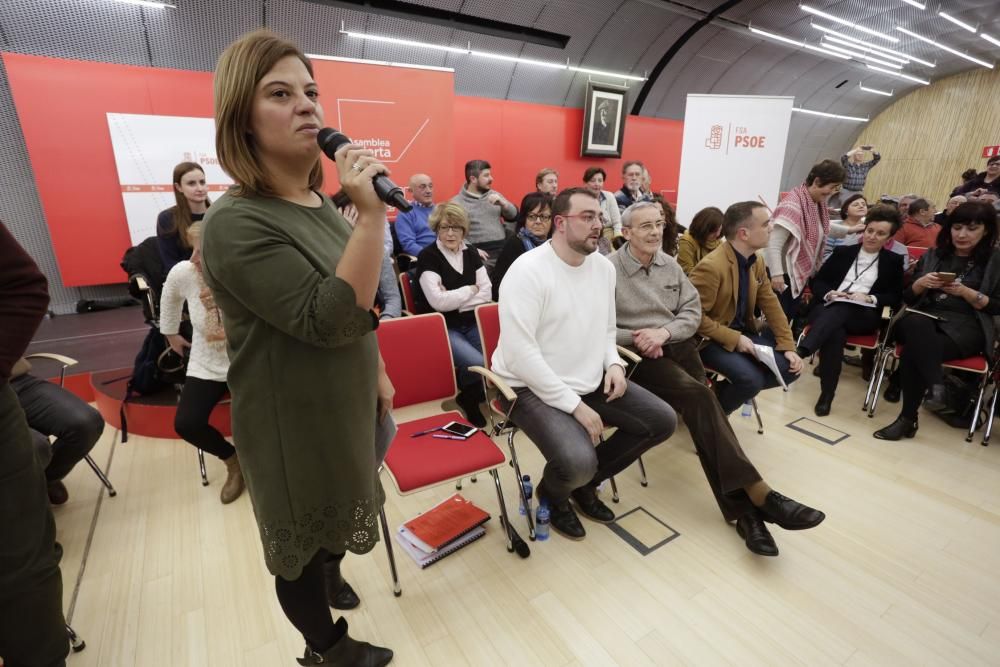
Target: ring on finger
{"x": 357, "y": 166}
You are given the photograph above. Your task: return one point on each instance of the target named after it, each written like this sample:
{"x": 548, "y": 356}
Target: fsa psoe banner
{"x": 146, "y": 150}
{"x": 733, "y": 150}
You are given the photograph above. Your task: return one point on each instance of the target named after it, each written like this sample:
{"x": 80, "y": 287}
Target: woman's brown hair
{"x": 669, "y": 225}
{"x": 704, "y": 222}
{"x": 241, "y": 67}
{"x": 181, "y": 211}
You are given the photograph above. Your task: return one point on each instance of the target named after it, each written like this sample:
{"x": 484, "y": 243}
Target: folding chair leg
{"x": 101, "y": 476}
{"x": 871, "y": 381}
{"x": 614, "y": 490}
{"x": 387, "y": 538}
{"x": 990, "y": 415}
{"x": 880, "y": 373}
{"x": 201, "y": 468}
{"x": 975, "y": 411}
{"x": 505, "y": 520}
{"x": 642, "y": 473}
{"x": 520, "y": 486}
{"x": 75, "y": 642}
{"x": 756, "y": 411}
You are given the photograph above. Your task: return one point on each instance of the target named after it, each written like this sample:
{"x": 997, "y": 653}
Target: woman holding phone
{"x": 296, "y": 286}
{"x": 957, "y": 290}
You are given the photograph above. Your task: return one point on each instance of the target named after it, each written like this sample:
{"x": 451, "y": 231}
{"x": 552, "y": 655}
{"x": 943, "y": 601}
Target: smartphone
{"x": 459, "y": 429}
{"x": 943, "y": 276}
{"x": 866, "y": 147}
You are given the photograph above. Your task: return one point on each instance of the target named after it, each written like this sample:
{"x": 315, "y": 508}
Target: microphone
{"x": 330, "y": 140}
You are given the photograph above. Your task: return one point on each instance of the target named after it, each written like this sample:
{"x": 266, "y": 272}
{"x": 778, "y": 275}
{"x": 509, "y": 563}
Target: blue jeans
{"x": 747, "y": 376}
{"x": 466, "y": 350}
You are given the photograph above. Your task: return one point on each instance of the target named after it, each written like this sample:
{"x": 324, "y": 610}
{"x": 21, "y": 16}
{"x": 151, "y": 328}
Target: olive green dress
{"x": 303, "y": 376}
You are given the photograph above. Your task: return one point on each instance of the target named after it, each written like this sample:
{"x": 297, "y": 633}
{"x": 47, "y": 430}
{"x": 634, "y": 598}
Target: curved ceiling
{"x": 624, "y": 36}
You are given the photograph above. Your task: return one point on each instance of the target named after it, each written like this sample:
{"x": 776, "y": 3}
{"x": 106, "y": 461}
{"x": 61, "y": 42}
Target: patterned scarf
{"x": 809, "y": 224}
{"x": 213, "y": 331}
{"x": 528, "y": 239}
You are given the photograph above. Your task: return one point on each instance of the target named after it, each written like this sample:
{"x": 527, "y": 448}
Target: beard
{"x": 585, "y": 246}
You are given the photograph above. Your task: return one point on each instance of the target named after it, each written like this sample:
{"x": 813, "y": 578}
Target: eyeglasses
{"x": 588, "y": 218}
{"x": 648, "y": 227}
{"x": 451, "y": 228}
{"x": 539, "y": 217}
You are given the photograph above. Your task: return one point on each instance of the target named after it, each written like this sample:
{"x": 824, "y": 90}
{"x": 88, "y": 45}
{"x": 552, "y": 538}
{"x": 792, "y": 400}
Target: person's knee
{"x": 578, "y": 465}
{"x": 664, "y": 422}
{"x": 188, "y": 426}
{"x": 92, "y": 424}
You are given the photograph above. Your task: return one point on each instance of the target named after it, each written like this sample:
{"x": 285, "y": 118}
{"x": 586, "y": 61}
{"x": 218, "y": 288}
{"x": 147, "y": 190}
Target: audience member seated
{"x": 534, "y": 227}
{"x": 671, "y": 229}
{"x": 919, "y": 228}
{"x": 54, "y": 411}
{"x": 388, "y": 300}
{"x": 658, "y": 313}
{"x": 852, "y": 222}
{"x": 952, "y": 204}
{"x": 733, "y": 284}
{"x": 987, "y": 181}
{"x": 801, "y": 225}
{"x": 904, "y": 204}
{"x": 856, "y": 171}
{"x": 611, "y": 217}
{"x": 412, "y": 230}
{"x": 701, "y": 238}
{"x": 958, "y": 283}
{"x": 486, "y": 209}
{"x": 454, "y": 281}
{"x": 850, "y": 291}
{"x": 632, "y": 191}
{"x": 208, "y": 362}
{"x": 547, "y": 182}
{"x": 557, "y": 350}
{"x": 191, "y": 195}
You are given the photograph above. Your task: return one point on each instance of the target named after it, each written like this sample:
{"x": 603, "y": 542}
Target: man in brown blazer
{"x": 732, "y": 283}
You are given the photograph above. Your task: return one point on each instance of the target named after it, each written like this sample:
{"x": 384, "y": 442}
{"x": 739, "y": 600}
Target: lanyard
{"x": 856, "y": 273}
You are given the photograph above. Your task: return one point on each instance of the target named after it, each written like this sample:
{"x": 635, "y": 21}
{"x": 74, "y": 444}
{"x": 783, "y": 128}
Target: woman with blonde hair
{"x": 191, "y": 195}
{"x": 296, "y": 286}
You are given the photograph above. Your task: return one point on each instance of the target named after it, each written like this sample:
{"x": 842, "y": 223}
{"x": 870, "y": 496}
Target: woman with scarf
{"x": 798, "y": 239}
{"x": 533, "y": 228}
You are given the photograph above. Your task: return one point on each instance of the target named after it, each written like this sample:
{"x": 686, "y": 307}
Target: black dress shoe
{"x": 58, "y": 495}
{"x": 591, "y": 506}
{"x": 789, "y": 514}
{"x": 936, "y": 400}
{"x": 893, "y": 393}
{"x": 339, "y": 593}
{"x": 562, "y": 518}
{"x": 756, "y": 535}
{"x": 347, "y": 652}
{"x": 824, "y": 404}
{"x": 897, "y": 430}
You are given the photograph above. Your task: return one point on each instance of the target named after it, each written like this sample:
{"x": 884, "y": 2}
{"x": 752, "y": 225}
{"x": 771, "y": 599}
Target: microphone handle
{"x": 390, "y": 193}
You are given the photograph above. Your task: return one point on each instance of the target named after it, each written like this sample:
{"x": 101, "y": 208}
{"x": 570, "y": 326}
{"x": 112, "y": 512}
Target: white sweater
{"x": 557, "y": 326}
{"x": 208, "y": 360}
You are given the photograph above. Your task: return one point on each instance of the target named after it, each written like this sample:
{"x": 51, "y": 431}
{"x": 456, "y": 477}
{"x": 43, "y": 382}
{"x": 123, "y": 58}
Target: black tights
{"x": 924, "y": 349}
{"x": 198, "y": 399}
{"x": 305, "y": 605}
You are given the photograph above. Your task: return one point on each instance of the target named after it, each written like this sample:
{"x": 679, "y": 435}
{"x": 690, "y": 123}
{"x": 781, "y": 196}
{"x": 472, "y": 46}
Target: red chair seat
{"x": 975, "y": 364}
{"x": 869, "y": 341}
{"x": 416, "y": 463}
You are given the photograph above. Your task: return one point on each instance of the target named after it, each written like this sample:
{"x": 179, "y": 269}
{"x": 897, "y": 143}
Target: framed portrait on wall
{"x": 603, "y": 120}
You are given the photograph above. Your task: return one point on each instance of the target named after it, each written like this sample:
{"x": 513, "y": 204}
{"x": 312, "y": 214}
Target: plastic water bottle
{"x": 747, "y": 409}
{"x": 542, "y": 522}
{"x": 526, "y": 483}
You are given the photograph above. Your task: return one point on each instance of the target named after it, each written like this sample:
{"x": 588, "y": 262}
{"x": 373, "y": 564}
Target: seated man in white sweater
{"x": 557, "y": 350}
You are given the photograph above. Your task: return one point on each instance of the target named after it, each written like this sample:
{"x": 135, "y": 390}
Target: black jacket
{"x": 888, "y": 287}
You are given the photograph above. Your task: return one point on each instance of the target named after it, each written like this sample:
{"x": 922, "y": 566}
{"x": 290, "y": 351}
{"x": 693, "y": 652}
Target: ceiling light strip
{"x": 491, "y": 56}
{"x": 899, "y": 74}
{"x": 872, "y": 46}
{"x": 797, "y": 43}
{"x": 830, "y": 115}
{"x": 150, "y": 3}
{"x": 991, "y": 40}
{"x": 875, "y": 90}
{"x": 961, "y": 24}
{"x": 918, "y": 5}
{"x": 849, "y": 24}
{"x": 866, "y": 49}
{"x": 862, "y": 56}
{"x": 945, "y": 48}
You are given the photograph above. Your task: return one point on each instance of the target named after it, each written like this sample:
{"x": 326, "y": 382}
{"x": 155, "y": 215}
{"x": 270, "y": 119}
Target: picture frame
{"x": 603, "y": 120}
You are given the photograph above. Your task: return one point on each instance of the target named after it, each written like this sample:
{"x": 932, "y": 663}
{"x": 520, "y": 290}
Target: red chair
{"x": 406, "y": 290}
{"x": 915, "y": 252}
{"x": 871, "y": 341}
{"x": 417, "y": 357}
{"x": 488, "y": 323}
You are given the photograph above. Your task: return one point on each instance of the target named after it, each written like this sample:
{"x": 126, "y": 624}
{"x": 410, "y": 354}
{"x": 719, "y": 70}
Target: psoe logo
{"x": 714, "y": 140}
{"x": 745, "y": 139}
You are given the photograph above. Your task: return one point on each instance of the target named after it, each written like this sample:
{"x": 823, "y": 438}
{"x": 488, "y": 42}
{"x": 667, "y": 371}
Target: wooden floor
{"x": 905, "y": 570}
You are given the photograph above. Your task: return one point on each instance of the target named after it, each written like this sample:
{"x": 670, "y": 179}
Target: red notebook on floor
{"x": 446, "y": 521}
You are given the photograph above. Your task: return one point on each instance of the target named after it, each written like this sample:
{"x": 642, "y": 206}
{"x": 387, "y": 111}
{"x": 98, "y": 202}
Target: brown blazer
{"x": 717, "y": 280}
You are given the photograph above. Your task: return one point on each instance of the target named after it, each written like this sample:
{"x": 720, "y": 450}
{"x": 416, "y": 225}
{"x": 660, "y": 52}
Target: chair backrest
{"x": 417, "y": 357}
{"x": 915, "y": 252}
{"x": 488, "y": 322}
{"x": 406, "y": 290}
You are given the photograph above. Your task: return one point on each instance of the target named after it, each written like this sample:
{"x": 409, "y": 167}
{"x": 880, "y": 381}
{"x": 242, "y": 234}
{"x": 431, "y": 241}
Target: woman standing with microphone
{"x": 295, "y": 286}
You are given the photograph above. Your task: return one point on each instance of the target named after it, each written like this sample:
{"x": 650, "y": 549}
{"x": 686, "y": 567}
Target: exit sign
{"x": 991, "y": 151}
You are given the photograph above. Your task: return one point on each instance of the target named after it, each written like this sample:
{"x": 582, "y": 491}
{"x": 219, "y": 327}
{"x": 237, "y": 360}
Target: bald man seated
{"x": 412, "y": 229}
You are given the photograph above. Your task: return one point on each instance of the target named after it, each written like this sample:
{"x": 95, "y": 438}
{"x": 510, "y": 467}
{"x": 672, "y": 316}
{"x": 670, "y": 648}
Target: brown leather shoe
{"x": 58, "y": 495}
{"x": 233, "y": 486}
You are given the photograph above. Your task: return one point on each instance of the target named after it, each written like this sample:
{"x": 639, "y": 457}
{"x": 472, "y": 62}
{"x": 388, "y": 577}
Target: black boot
{"x": 824, "y": 404}
{"x": 339, "y": 593}
{"x": 348, "y": 652}
{"x": 894, "y": 390}
{"x": 936, "y": 401}
{"x": 897, "y": 430}
{"x": 468, "y": 399}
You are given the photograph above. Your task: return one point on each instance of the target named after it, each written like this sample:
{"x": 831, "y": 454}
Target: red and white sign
{"x": 991, "y": 151}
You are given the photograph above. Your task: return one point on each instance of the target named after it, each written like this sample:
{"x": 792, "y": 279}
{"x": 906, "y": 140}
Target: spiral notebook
{"x": 424, "y": 559}
{"x": 442, "y": 524}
